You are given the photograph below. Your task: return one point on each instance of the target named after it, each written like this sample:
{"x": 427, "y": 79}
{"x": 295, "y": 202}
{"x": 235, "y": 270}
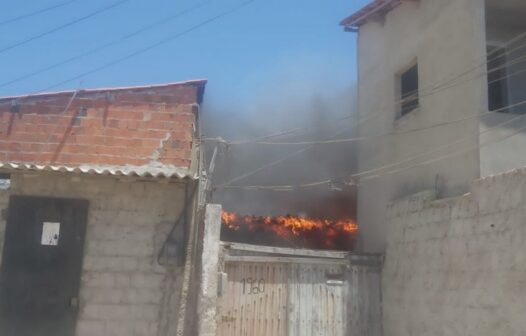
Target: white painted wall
{"x": 446, "y": 37}
{"x": 458, "y": 266}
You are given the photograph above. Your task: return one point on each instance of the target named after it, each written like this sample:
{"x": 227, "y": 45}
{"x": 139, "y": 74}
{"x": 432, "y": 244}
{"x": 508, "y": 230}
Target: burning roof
{"x": 290, "y": 231}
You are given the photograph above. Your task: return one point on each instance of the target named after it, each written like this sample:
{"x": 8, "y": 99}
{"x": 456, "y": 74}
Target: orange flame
{"x": 320, "y": 232}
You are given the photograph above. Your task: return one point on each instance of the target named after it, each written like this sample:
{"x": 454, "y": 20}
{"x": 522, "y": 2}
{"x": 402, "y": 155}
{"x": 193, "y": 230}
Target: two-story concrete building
{"x": 441, "y": 90}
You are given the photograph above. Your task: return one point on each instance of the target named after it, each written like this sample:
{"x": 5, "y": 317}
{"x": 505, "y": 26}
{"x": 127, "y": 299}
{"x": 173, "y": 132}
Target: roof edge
{"x": 147, "y": 171}
{"x": 353, "y": 22}
{"x": 196, "y": 82}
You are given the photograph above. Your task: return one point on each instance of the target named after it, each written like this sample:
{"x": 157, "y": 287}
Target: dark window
{"x": 409, "y": 90}
{"x": 497, "y": 79}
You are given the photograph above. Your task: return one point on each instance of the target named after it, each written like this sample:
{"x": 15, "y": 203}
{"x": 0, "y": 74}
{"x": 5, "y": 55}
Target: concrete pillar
{"x": 207, "y": 301}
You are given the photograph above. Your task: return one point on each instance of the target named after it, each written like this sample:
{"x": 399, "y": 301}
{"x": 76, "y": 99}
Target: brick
{"x": 143, "y": 117}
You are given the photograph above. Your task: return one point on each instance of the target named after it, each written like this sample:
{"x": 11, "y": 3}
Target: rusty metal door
{"x": 283, "y": 299}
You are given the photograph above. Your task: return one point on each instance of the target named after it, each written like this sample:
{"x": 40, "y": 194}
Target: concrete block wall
{"x": 124, "y": 291}
{"x": 458, "y": 266}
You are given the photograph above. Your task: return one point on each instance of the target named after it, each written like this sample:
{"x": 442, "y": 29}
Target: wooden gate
{"x": 282, "y": 296}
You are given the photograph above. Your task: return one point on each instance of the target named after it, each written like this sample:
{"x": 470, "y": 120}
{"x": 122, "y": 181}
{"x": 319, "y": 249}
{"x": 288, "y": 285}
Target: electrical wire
{"x": 47, "y": 143}
{"x": 145, "y": 49}
{"x": 37, "y": 12}
{"x": 273, "y": 163}
{"x": 337, "y": 141}
{"x": 326, "y": 182}
{"x": 107, "y": 45}
{"x": 449, "y": 154}
{"x": 358, "y": 175}
{"x": 438, "y": 89}
{"x": 333, "y": 141}
{"x": 311, "y": 145}
{"x": 346, "y": 140}
{"x": 63, "y": 26}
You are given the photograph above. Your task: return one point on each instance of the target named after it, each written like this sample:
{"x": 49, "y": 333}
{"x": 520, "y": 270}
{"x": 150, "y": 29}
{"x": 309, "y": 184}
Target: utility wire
{"x": 276, "y": 162}
{"x": 358, "y": 175}
{"x": 436, "y": 159}
{"x": 37, "y": 12}
{"x": 346, "y": 140}
{"x": 227, "y": 185}
{"x": 47, "y": 143}
{"x": 354, "y": 183}
{"x": 365, "y": 138}
{"x": 63, "y": 26}
{"x": 143, "y": 50}
{"x": 423, "y": 93}
{"x": 107, "y": 45}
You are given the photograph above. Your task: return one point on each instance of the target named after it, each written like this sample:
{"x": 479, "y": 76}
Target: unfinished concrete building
{"x": 98, "y": 207}
{"x": 441, "y": 92}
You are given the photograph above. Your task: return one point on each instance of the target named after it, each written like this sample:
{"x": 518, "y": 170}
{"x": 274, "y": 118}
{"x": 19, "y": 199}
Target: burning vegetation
{"x": 290, "y": 231}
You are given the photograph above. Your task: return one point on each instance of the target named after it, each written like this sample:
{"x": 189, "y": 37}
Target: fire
{"x": 291, "y": 230}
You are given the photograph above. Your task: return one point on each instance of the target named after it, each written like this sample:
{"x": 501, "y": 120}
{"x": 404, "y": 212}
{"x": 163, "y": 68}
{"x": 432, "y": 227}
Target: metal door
{"x": 283, "y": 299}
{"x": 42, "y": 259}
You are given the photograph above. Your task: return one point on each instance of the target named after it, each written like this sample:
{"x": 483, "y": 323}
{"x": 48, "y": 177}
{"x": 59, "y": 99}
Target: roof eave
{"x": 378, "y": 7}
{"x": 200, "y": 83}
{"x": 158, "y": 172}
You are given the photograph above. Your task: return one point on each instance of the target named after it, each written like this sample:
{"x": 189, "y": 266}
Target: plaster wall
{"x": 445, "y": 38}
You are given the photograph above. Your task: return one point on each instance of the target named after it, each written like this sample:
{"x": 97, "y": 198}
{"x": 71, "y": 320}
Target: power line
{"x": 358, "y": 175}
{"x": 143, "y": 50}
{"x": 276, "y": 162}
{"x": 437, "y": 87}
{"x": 358, "y": 139}
{"x": 37, "y": 12}
{"x": 334, "y": 141}
{"x": 463, "y": 151}
{"x": 313, "y": 144}
{"x": 107, "y": 45}
{"x": 353, "y": 183}
{"x": 346, "y": 140}
{"x": 295, "y": 130}
{"x": 47, "y": 143}
{"x": 414, "y": 130}
{"x": 63, "y": 26}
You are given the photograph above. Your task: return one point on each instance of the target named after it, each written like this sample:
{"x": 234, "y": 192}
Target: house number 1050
{"x": 253, "y": 286}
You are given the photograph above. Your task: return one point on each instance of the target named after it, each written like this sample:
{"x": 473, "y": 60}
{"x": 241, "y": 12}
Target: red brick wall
{"x": 135, "y": 126}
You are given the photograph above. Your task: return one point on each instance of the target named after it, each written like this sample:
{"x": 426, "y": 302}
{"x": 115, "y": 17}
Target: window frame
{"x": 400, "y": 110}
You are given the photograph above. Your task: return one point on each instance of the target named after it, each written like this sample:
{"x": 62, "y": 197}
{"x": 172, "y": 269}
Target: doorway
{"x": 41, "y": 266}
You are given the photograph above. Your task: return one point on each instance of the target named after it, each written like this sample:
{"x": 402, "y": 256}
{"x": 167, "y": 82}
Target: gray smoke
{"x": 275, "y": 110}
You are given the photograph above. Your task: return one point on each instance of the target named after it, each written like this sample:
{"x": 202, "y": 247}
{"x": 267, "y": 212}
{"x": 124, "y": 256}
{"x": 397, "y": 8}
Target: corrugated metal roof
{"x": 377, "y": 7}
{"x": 133, "y": 171}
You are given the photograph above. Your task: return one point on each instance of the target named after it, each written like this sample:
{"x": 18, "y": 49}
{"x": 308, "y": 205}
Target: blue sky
{"x": 267, "y": 43}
